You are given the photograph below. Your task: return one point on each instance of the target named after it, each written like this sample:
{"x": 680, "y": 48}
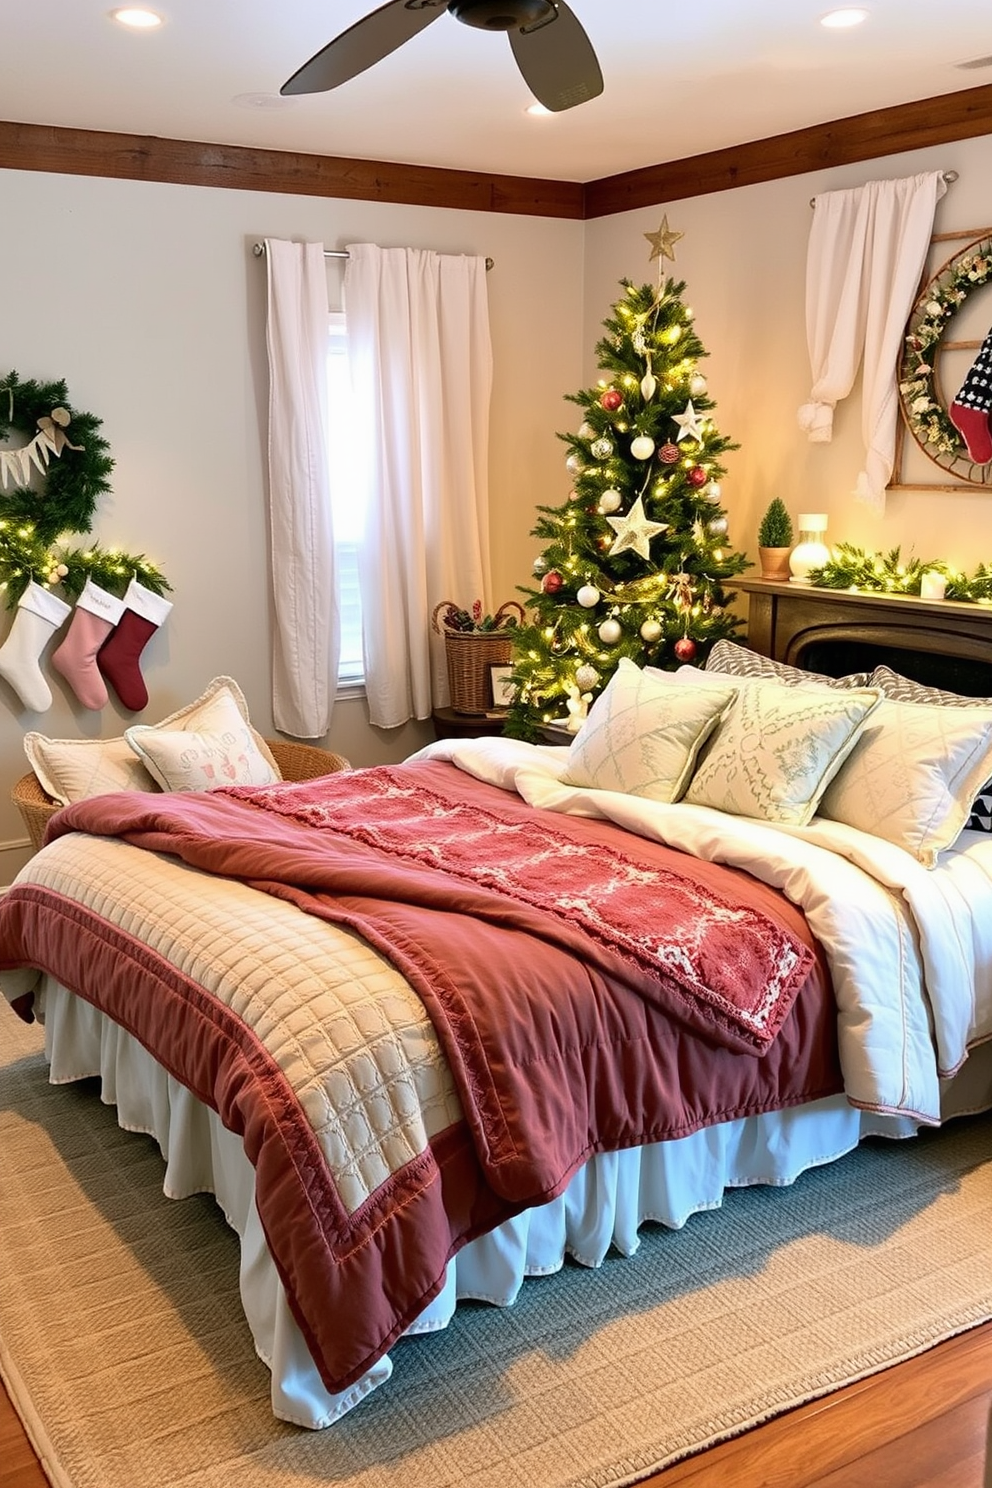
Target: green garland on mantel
{"x": 69, "y": 463}
{"x": 889, "y": 573}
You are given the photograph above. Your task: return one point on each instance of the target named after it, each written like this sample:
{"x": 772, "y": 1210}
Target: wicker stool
{"x": 295, "y": 761}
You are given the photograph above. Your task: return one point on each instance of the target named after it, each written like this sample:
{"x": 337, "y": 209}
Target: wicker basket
{"x": 470, "y": 654}
{"x": 295, "y": 761}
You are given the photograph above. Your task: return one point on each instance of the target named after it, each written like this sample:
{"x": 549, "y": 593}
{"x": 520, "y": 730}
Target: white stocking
{"x": 39, "y": 615}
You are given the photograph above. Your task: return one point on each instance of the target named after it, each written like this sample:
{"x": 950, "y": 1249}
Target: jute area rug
{"x": 123, "y": 1347}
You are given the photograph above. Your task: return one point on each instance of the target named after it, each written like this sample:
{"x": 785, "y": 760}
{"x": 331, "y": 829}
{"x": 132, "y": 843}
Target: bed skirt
{"x": 604, "y": 1205}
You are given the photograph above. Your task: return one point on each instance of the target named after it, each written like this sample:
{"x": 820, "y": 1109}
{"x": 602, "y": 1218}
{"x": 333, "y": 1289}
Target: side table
{"x": 449, "y": 724}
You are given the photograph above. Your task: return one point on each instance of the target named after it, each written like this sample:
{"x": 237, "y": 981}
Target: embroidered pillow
{"x": 914, "y": 775}
{"x": 738, "y": 661}
{"x": 643, "y": 736}
{"x": 72, "y": 769}
{"x": 777, "y": 748}
{"x": 904, "y": 690}
{"x": 217, "y": 747}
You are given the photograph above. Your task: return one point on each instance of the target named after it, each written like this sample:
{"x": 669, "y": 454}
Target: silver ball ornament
{"x": 602, "y": 449}
{"x": 713, "y": 492}
{"x": 575, "y": 464}
{"x": 588, "y": 596}
{"x": 540, "y": 565}
{"x": 610, "y": 632}
{"x": 586, "y": 677}
{"x": 586, "y": 431}
{"x": 718, "y": 527}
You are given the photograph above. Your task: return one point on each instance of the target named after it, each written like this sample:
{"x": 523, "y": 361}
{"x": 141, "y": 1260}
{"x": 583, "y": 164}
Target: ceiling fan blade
{"x": 363, "y": 44}
{"x": 557, "y": 61}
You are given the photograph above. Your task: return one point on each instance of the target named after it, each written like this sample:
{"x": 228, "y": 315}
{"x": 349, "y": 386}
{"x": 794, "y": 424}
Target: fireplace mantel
{"x": 837, "y": 630}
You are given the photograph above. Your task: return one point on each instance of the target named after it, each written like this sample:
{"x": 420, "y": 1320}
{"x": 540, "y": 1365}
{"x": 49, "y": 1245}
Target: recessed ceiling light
{"x": 839, "y": 20}
{"x": 138, "y": 20}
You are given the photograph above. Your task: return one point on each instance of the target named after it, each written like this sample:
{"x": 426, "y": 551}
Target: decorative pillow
{"x": 777, "y": 748}
{"x": 905, "y": 690}
{"x": 727, "y": 656}
{"x": 72, "y": 769}
{"x": 914, "y": 775}
{"x": 218, "y": 747}
{"x": 642, "y": 737}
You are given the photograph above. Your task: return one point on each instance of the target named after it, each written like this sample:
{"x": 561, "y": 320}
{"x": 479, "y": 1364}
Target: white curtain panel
{"x": 306, "y": 632}
{"x": 421, "y": 361}
{"x": 867, "y": 251}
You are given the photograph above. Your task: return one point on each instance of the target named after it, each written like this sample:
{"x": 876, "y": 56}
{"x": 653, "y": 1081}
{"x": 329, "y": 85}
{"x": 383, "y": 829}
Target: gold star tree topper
{"x": 663, "y": 241}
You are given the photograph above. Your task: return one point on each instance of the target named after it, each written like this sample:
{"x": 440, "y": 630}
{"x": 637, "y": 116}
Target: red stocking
{"x": 118, "y": 657}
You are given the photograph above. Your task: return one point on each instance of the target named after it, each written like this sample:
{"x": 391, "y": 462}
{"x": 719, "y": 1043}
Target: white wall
{"x": 743, "y": 258}
{"x": 148, "y": 300}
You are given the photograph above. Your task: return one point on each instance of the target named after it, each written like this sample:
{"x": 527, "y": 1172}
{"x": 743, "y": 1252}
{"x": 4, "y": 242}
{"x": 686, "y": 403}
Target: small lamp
{"x": 811, "y": 551}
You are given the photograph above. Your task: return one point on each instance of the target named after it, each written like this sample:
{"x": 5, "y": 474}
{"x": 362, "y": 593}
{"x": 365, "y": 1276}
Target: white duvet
{"x": 909, "y": 948}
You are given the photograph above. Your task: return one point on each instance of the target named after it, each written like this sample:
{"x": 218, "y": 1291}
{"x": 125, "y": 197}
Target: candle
{"x": 933, "y": 585}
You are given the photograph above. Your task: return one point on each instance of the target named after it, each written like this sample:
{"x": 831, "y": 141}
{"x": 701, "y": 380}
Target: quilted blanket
{"x": 566, "y": 1032}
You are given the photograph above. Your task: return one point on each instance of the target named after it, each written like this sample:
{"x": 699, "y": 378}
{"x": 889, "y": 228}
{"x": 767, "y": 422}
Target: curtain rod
{"x": 259, "y": 249}
{"x": 949, "y": 176}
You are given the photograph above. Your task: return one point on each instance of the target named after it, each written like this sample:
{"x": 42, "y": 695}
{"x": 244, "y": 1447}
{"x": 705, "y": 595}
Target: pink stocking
{"x": 94, "y": 617}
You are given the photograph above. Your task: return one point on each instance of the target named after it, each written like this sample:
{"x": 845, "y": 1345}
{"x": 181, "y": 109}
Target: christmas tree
{"x": 635, "y": 558}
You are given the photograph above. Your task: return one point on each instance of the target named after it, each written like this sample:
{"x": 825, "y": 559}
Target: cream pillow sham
{"x": 913, "y": 775}
{"x": 776, "y": 748}
{"x": 642, "y": 737}
{"x": 73, "y": 769}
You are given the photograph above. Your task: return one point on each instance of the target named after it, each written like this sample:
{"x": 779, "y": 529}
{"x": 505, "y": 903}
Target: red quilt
{"x": 591, "y": 990}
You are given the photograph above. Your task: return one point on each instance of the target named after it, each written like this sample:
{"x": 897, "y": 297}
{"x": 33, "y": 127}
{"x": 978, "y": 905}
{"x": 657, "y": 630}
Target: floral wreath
{"x": 69, "y": 462}
{"x": 925, "y": 414}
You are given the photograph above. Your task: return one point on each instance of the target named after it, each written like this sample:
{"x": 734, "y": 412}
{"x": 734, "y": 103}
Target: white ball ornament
{"x": 651, "y": 631}
{"x": 575, "y": 464}
{"x": 610, "y": 632}
{"x": 586, "y": 677}
{"x": 713, "y": 492}
{"x": 642, "y": 448}
{"x": 588, "y": 596}
{"x": 697, "y": 384}
{"x": 587, "y": 431}
{"x": 610, "y": 501}
{"x": 718, "y": 527}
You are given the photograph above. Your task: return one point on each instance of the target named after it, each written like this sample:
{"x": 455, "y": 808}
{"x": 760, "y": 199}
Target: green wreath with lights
{"x": 49, "y": 488}
{"x": 926, "y": 416}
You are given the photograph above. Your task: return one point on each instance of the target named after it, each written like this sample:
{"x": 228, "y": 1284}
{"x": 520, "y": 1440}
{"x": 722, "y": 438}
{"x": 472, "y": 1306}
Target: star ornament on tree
{"x": 691, "y": 424}
{"x": 663, "y": 241}
{"x": 635, "y": 531}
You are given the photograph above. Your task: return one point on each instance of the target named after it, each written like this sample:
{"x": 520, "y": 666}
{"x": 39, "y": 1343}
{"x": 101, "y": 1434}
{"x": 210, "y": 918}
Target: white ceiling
{"x": 681, "y": 77}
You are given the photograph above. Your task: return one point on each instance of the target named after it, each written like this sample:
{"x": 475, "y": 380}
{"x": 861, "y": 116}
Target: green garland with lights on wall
{"x": 50, "y": 488}
{"x": 889, "y": 573}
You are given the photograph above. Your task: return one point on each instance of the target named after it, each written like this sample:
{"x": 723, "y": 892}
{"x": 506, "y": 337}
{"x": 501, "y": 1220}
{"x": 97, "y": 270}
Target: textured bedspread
{"x": 564, "y": 1036}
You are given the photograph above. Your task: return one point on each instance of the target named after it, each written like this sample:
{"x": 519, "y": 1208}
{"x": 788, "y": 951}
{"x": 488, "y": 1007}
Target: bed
{"x": 426, "y": 1030}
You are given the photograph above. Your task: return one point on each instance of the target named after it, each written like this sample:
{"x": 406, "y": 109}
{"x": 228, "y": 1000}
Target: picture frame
{"x": 502, "y": 685}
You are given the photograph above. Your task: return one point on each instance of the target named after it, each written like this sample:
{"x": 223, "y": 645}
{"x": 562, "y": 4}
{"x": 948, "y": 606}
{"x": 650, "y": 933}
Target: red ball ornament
{"x": 697, "y": 476}
{"x": 668, "y": 454}
{"x": 611, "y": 400}
{"x": 685, "y": 649}
{"x": 552, "y": 582}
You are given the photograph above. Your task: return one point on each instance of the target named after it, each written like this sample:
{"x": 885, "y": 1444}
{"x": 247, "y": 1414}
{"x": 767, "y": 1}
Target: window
{"x": 347, "y": 499}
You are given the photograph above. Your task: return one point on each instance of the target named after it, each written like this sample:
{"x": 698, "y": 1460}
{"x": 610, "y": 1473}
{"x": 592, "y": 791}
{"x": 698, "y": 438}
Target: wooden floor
{"x": 920, "y": 1425}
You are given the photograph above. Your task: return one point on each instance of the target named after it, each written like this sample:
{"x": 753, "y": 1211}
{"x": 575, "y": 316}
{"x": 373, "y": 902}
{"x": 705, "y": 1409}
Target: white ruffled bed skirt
{"x": 604, "y": 1205}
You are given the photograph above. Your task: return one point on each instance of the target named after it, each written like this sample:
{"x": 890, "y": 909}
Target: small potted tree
{"x": 775, "y": 540}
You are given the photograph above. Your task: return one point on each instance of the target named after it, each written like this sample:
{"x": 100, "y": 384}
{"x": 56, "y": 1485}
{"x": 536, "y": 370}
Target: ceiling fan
{"x": 549, "y": 45}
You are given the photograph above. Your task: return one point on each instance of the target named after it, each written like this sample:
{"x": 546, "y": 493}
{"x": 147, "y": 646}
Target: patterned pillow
{"x": 72, "y": 769}
{"x": 904, "y": 690}
{"x": 777, "y": 748}
{"x": 914, "y": 775}
{"x": 727, "y": 656}
{"x": 216, "y": 748}
{"x": 643, "y": 736}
